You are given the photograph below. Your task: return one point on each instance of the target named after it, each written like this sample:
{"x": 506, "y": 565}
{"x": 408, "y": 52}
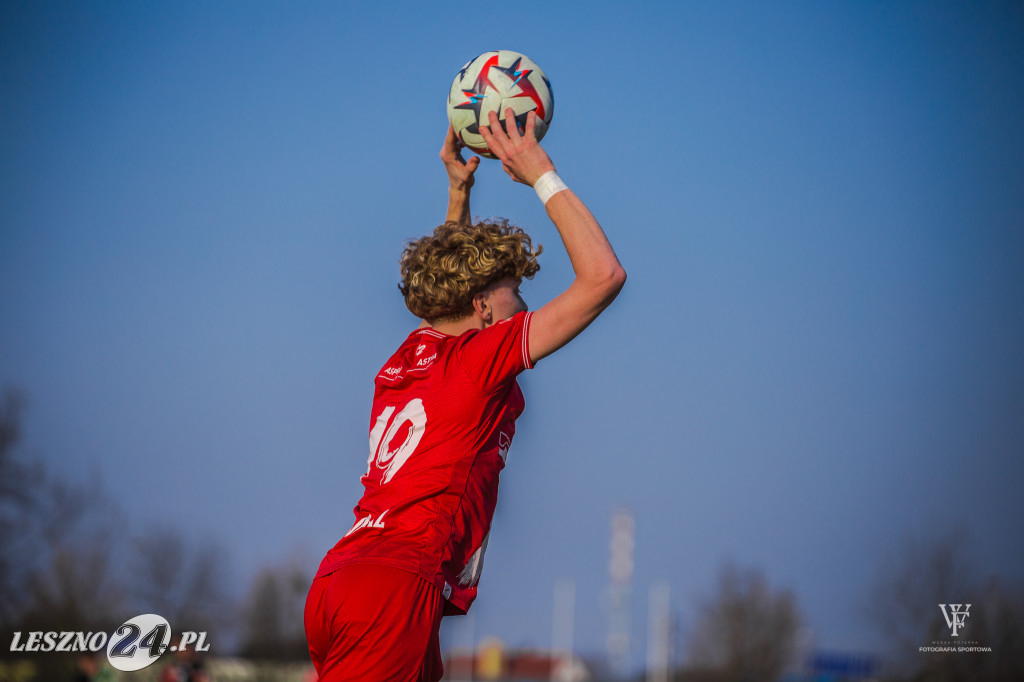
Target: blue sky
{"x": 819, "y": 205}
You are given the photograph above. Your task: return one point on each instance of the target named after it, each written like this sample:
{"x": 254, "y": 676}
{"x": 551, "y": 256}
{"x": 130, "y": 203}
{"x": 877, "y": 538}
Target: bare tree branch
{"x": 273, "y": 614}
{"x": 925, "y": 571}
{"x": 747, "y": 631}
{"x": 183, "y": 581}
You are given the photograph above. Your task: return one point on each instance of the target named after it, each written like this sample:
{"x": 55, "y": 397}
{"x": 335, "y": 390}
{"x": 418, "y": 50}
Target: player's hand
{"x": 521, "y": 155}
{"x": 460, "y": 171}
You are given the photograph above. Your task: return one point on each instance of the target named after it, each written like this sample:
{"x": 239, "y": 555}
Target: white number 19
{"x": 389, "y": 460}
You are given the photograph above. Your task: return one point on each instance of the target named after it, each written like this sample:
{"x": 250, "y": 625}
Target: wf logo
{"x": 955, "y": 617}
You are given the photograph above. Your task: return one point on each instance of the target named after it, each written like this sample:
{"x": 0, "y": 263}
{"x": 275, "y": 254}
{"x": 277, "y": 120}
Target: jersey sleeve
{"x": 495, "y": 355}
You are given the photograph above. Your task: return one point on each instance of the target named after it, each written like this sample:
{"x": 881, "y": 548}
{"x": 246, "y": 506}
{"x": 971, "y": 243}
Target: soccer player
{"x": 443, "y": 417}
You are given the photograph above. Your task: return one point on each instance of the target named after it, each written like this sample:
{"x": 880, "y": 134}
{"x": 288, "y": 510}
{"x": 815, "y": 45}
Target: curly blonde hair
{"x": 442, "y": 272}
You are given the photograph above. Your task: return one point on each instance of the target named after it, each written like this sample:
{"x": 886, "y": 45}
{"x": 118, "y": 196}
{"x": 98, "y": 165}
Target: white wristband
{"x": 548, "y": 185}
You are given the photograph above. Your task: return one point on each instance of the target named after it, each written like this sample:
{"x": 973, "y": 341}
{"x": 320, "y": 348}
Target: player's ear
{"x": 481, "y": 307}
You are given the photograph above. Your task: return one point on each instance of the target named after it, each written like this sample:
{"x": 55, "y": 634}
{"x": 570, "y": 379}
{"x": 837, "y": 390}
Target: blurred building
{"x": 492, "y": 662}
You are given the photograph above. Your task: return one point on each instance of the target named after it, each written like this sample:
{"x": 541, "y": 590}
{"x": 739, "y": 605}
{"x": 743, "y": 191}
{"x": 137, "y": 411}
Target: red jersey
{"x": 443, "y": 417}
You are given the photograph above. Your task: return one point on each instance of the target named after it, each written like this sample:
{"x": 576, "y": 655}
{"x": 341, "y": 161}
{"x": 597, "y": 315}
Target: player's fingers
{"x": 497, "y": 126}
{"x": 489, "y": 140}
{"x": 531, "y": 125}
{"x": 450, "y": 143}
{"x": 495, "y": 140}
{"x": 510, "y": 119}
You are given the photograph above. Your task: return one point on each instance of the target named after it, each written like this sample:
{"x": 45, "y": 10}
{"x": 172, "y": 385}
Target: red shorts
{"x": 366, "y": 622}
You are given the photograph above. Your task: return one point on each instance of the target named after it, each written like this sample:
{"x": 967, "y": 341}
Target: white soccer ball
{"x": 496, "y": 81}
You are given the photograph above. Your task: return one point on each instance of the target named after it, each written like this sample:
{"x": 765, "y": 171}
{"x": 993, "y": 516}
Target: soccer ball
{"x": 495, "y": 81}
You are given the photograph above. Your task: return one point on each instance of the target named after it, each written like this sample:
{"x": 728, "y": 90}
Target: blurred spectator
{"x": 87, "y": 667}
{"x": 185, "y": 666}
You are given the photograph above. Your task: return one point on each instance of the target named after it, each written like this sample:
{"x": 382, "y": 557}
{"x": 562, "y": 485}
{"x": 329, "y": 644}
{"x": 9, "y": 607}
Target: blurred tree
{"x": 273, "y": 614}
{"x": 920, "y": 574}
{"x": 58, "y": 541}
{"x": 18, "y": 498}
{"x": 746, "y": 632}
{"x": 999, "y": 621}
{"x": 68, "y": 561}
{"x": 926, "y": 571}
{"x": 182, "y": 580}
{"x": 75, "y": 584}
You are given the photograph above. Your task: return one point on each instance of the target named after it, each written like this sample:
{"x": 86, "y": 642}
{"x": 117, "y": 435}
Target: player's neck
{"x": 456, "y": 327}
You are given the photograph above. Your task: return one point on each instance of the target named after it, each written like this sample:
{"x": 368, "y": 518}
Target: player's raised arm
{"x": 599, "y": 275}
{"x": 460, "y": 178}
